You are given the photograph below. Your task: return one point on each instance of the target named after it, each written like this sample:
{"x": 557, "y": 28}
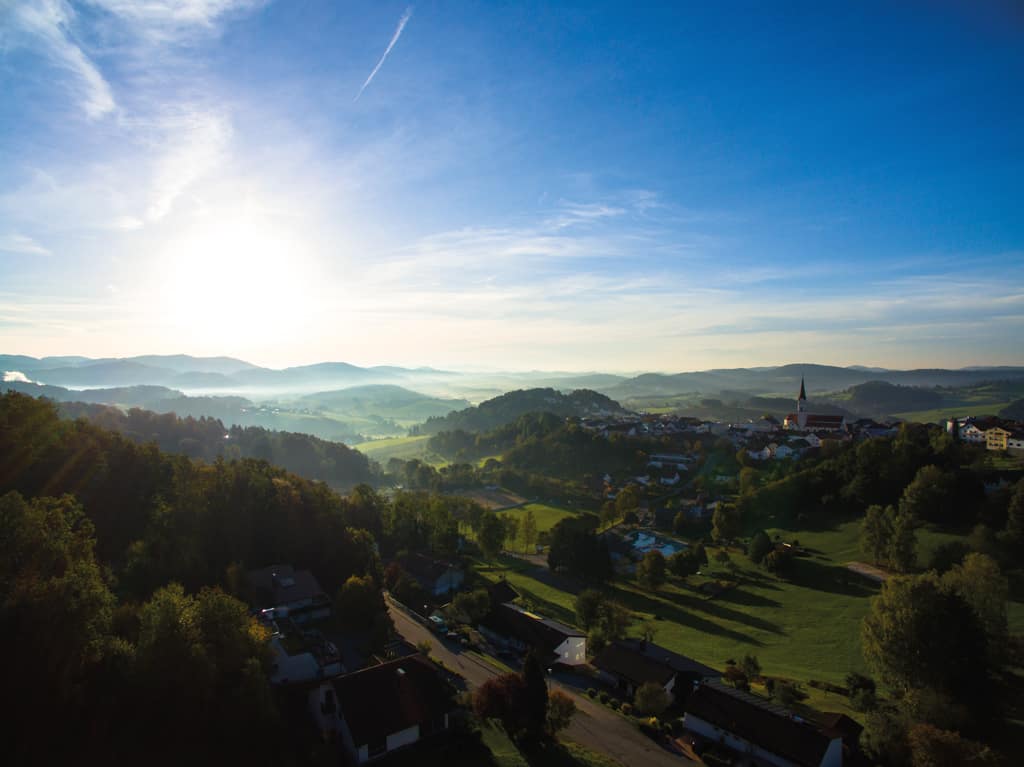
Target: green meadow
{"x": 803, "y": 628}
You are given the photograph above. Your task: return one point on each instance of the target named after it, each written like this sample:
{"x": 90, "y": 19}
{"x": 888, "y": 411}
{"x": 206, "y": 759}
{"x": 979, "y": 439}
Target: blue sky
{"x": 613, "y": 186}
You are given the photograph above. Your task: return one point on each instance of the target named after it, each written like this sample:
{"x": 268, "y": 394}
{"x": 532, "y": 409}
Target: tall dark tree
{"x": 535, "y": 694}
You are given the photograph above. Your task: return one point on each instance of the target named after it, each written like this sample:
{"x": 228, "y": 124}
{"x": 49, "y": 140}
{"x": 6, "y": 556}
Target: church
{"x": 803, "y": 421}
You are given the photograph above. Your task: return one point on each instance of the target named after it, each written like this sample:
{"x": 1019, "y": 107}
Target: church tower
{"x": 801, "y": 405}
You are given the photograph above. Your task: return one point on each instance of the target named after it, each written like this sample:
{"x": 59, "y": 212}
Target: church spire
{"x": 803, "y": 394}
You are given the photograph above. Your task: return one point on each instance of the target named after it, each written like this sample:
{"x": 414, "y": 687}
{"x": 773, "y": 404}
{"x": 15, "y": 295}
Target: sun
{"x": 237, "y": 281}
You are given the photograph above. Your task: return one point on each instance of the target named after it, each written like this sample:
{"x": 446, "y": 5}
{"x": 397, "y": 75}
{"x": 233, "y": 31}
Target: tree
{"x": 588, "y": 607}
{"x": 889, "y": 536}
{"x": 648, "y": 630}
{"x": 930, "y": 495}
{"x": 650, "y": 572}
{"x": 502, "y": 698}
{"x": 759, "y": 547}
{"x": 561, "y": 709}
{"x": 360, "y": 601}
{"x": 725, "y": 523}
{"x": 627, "y": 500}
{"x": 1015, "y": 516}
{"x": 530, "y": 531}
{"x": 511, "y": 528}
{"x": 652, "y": 699}
{"x": 683, "y": 563}
{"x": 981, "y": 585}
{"x": 903, "y": 546}
{"x": 535, "y": 695}
{"x": 491, "y": 535}
{"x": 751, "y": 666}
{"x": 917, "y": 635}
{"x": 934, "y": 747}
{"x": 474, "y": 605}
{"x": 876, "y": 532}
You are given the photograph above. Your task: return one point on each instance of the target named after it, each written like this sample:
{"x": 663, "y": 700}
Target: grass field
{"x": 805, "y": 628}
{"x": 404, "y": 448}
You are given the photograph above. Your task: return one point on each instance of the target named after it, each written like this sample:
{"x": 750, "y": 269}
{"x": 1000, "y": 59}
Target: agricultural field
{"x": 404, "y": 448}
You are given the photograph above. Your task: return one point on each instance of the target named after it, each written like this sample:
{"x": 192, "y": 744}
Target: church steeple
{"x": 801, "y": 400}
{"x": 803, "y": 393}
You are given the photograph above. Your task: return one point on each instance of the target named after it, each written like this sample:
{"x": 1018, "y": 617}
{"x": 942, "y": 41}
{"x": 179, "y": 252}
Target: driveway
{"x": 594, "y": 726}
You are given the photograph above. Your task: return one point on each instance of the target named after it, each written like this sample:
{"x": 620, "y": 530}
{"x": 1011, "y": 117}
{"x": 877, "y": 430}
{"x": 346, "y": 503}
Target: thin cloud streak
{"x": 394, "y": 39}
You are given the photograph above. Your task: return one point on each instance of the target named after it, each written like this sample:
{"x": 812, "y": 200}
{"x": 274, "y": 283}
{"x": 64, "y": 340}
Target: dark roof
{"x": 840, "y": 725}
{"x": 385, "y": 699}
{"x": 680, "y": 663}
{"x": 424, "y": 569}
{"x": 279, "y": 585}
{"x": 632, "y": 666}
{"x": 750, "y": 719}
{"x": 815, "y": 420}
{"x": 501, "y": 591}
{"x": 540, "y": 632}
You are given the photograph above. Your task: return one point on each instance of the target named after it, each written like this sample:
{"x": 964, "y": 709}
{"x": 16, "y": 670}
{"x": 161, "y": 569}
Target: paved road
{"x": 594, "y": 726}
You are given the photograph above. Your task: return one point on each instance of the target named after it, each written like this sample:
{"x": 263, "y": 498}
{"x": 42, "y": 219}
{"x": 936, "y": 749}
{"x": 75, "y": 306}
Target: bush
{"x": 627, "y": 709}
{"x": 653, "y": 723}
{"x": 614, "y": 703}
{"x": 603, "y": 696}
{"x": 652, "y": 698}
{"x": 863, "y": 701}
{"x": 591, "y": 692}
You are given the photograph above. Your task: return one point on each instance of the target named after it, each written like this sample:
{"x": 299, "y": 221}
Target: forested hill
{"x": 98, "y": 533}
{"x": 208, "y": 438}
{"x": 508, "y": 407}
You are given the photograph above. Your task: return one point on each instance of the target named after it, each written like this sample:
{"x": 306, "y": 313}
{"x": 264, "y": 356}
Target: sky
{"x": 561, "y": 186}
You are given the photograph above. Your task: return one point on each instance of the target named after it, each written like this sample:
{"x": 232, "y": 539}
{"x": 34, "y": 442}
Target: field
{"x": 494, "y": 499}
{"x": 404, "y": 448}
{"x": 805, "y": 628}
{"x": 546, "y": 516}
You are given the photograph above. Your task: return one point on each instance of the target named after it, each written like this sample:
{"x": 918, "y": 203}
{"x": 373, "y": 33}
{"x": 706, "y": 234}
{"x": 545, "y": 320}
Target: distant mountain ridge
{"x": 228, "y": 374}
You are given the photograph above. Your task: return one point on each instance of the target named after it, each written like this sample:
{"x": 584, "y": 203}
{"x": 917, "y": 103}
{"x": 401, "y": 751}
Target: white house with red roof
{"x": 805, "y": 421}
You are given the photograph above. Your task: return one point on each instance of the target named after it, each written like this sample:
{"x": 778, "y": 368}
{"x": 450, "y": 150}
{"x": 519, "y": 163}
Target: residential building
{"x": 384, "y": 708}
{"x": 287, "y": 592}
{"x": 628, "y": 664}
{"x": 764, "y": 733}
{"x": 556, "y": 642}
{"x": 438, "y": 577}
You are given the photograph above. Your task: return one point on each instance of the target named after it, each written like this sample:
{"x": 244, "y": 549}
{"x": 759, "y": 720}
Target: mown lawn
{"x": 546, "y": 516}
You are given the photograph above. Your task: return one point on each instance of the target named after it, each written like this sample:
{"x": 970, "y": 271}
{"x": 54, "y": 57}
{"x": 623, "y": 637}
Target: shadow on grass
{"x": 833, "y": 579}
{"x": 739, "y": 596}
{"x": 672, "y": 612}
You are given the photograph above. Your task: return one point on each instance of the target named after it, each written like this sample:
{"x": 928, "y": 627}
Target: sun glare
{"x": 236, "y": 281}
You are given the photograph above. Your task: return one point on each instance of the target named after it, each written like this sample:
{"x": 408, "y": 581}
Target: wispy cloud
{"x": 49, "y": 22}
{"x": 394, "y": 39}
{"x": 19, "y": 243}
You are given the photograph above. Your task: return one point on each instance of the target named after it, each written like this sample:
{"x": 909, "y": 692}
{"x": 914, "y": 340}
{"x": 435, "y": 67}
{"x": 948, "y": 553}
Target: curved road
{"x": 594, "y": 726}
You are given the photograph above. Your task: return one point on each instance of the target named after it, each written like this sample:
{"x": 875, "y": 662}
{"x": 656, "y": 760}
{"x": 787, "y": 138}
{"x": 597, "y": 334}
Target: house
{"x": 288, "y": 592}
{"x": 764, "y": 733}
{"x": 630, "y": 663}
{"x": 781, "y": 451}
{"x": 556, "y": 642}
{"x": 383, "y": 708}
{"x": 297, "y": 659}
{"x": 439, "y": 578}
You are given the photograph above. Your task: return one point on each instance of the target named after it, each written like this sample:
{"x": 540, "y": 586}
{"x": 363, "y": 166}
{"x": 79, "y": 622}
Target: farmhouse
{"x": 766, "y": 734}
{"x": 383, "y": 708}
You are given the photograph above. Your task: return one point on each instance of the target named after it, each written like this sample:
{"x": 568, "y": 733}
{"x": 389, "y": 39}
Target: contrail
{"x": 394, "y": 39}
